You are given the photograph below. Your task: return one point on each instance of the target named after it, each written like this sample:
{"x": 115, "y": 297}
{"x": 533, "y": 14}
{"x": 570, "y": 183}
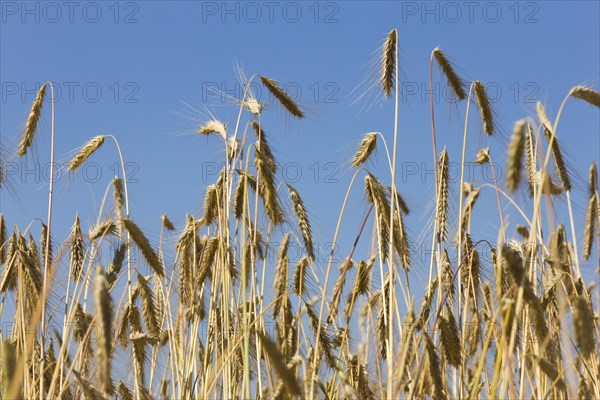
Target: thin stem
{"x": 390, "y": 347}
{"x": 433, "y": 140}
{"x": 47, "y": 249}
{"x": 462, "y": 180}
{"x": 497, "y": 194}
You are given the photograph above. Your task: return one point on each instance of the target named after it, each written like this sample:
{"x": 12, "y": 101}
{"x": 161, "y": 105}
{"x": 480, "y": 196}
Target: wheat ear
{"x": 455, "y": 81}
{"x": 586, "y": 94}
{"x": 85, "y": 152}
{"x": 514, "y": 163}
{"x": 286, "y": 101}
{"x": 32, "y": 122}
{"x": 388, "y": 63}
{"x": 485, "y": 108}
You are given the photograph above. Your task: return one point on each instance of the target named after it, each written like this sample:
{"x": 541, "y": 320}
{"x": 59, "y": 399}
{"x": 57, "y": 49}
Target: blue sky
{"x": 134, "y": 69}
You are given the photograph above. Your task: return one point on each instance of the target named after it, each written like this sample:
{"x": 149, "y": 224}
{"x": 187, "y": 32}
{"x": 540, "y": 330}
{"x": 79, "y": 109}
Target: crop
{"x": 228, "y": 313}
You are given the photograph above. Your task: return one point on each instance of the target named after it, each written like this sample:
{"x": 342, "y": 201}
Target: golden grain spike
{"x": 591, "y": 217}
{"x": 472, "y": 196}
{"x": 2, "y": 240}
{"x": 9, "y": 274}
{"x": 117, "y": 263}
{"x": 583, "y": 320}
{"x": 549, "y": 187}
{"x": 542, "y": 116}
{"x": 450, "y": 339}
{"x": 167, "y": 223}
{"x": 366, "y": 148}
{"x": 388, "y": 62}
{"x": 402, "y": 205}
{"x": 559, "y": 161}
{"x": 281, "y": 277}
{"x": 149, "y": 309}
{"x": 338, "y": 288}
{"x": 89, "y": 390}
{"x": 360, "y": 375}
{"x": 376, "y": 195}
{"x": 254, "y": 106}
{"x": 586, "y": 94}
{"x": 593, "y": 179}
{"x": 85, "y": 152}
{"x": 435, "y": 372}
{"x": 523, "y": 231}
{"x": 303, "y": 222}
{"x": 286, "y": 101}
{"x": 124, "y": 391}
{"x": 77, "y": 251}
{"x": 442, "y": 208}
{"x": 299, "y": 284}
{"x": 485, "y": 108}
{"x": 211, "y": 204}
{"x": 32, "y": 122}
{"x": 267, "y": 189}
{"x": 276, "y": 359}
{"x": 530, "y": 159}
{"x": 144, "y": 245}
{"x": 362, "y": 283}
{"x": 214, "y": 126}
{"x": 401, "y": 244}
{"x": 104, "y": 228}
{"x": 455, "y": 81}
{"x": 238, "y": 198}
{"x": 264, "y": 148}
{"x": 548, "y": 368}
{"x": 448, "y": 285}
{"x": 119, "y": 201}
{"x": 514, "y": 163}
{"x": 483, "y": 156}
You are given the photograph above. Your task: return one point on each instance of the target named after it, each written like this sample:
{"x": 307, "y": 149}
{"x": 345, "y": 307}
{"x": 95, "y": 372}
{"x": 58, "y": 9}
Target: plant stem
{"x": 47, "y": 250}
{"x": 390, "y": 347}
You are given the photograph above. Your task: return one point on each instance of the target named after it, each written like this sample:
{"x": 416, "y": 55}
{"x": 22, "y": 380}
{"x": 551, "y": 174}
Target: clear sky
{"x": 144, "y": 70}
